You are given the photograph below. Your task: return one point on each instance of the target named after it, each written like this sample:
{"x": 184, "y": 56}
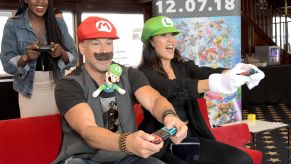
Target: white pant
{"x": 42, "y": 100}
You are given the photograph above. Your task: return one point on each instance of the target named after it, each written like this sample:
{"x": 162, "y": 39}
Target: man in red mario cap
{"x": 103, "y": 129}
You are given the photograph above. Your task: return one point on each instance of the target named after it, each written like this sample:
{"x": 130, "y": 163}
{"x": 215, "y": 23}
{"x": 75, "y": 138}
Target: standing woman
{"x": 182, "y": 82}
{"x": 36, "y": 68}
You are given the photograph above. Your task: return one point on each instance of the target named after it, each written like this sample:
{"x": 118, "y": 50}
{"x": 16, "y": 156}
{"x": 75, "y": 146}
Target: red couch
{"x": 237, "y": 135}
{"x": 36, "y": 140}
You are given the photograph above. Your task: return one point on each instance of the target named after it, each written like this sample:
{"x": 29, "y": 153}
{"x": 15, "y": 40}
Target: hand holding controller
{"x": 255, "y": 78}
{"x": 254, "y": 74}
{"x": 163, "y": 134}
{"x": 44, "y": 48}
{"x": 248, "y": 73}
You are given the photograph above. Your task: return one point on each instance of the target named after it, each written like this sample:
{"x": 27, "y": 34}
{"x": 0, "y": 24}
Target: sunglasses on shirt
{"x": 112, "y": 116}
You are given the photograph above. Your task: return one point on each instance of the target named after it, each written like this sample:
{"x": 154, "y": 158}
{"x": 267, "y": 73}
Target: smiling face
{"x": 98, "y": 53}
{"x": 164, "y": 45}
{"x": 37, "y": 7}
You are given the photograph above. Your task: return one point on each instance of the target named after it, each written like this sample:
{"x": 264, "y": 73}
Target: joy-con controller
{"x": 163, "y": 134}
{"x": 249, "y": 73}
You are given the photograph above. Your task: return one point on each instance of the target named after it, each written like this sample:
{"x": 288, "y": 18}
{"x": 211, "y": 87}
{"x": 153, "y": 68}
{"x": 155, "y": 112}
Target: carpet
{"x": 273, "y": 144}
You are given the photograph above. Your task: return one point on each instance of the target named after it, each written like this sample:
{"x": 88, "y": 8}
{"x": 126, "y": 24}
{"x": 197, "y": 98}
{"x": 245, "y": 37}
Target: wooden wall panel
{"x": 91, "y": 5}
{"x": 9, "y": 4}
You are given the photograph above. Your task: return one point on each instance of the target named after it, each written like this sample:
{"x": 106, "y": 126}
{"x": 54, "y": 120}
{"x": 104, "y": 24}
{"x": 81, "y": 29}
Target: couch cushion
{"x": 31, "y": 140}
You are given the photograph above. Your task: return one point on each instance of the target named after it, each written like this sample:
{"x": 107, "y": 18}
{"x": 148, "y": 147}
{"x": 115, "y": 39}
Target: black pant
{"x": 214, "y": 152}
{"x": 169, "y": 158}
{"x": 211, "y": 152}
{"x": 131, "y": 159}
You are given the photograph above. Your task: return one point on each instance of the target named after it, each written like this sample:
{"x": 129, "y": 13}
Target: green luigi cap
{"x": 115, "y": 69}
{"x": 156, "y": 26}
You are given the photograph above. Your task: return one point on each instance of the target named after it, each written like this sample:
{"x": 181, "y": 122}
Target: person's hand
{"x": 241, "y": 68}
{"x": 57, "y": 50}
{"x": 138, "y": 143}
{"x": 171, "y": 121}
{"x": 255, "y": 78}
{"x": 32, "y": 52}
{"x": 229, "y": 81}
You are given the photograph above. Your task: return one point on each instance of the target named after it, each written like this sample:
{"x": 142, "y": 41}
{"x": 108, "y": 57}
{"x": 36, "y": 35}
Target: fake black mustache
{"x": 104, "y": 56}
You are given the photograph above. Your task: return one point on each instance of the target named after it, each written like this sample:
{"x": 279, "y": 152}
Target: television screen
{"x": 268, "y": 54}
{"x": 274, "y": 56}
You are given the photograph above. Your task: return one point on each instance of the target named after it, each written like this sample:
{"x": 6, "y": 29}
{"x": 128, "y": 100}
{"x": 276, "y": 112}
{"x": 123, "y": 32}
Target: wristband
{"x": 168, "y": 111}
{"x": 121, "y": 142}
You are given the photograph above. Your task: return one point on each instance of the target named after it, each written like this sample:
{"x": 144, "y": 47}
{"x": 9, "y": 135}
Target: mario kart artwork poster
{"x": 213, "y": 42}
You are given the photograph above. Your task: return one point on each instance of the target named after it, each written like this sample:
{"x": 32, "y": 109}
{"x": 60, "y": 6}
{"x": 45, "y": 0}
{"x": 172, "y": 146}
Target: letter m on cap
{"x": 103, "y": 26}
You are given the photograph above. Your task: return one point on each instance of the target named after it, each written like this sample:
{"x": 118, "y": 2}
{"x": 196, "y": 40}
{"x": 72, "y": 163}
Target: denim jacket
{"x": 17, "y": 36}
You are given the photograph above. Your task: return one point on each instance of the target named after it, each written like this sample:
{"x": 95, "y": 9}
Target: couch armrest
{"x": 256, "y": 155}
{"x": 235, "y": 135}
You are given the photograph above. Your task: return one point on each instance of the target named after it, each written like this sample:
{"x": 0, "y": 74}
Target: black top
{"x": 68, "y": 93}
{"x": 43, "y": 62}
{"x": 182, "y": 93}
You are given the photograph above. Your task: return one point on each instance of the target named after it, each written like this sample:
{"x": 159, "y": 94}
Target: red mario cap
{"x": 96, "y": 27}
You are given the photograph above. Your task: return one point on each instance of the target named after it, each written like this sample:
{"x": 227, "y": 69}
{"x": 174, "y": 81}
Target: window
{"x": 4, "y": 15}
{"x": 279, "y": 31}
{"x": 68, "y": 18}
{"x": 128, "y": 48}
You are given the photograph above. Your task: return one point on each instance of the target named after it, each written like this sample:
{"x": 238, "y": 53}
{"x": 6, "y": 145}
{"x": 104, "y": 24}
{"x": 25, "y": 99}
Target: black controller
{"x": 45, "y": 48}
{"x": 249, "y": 73}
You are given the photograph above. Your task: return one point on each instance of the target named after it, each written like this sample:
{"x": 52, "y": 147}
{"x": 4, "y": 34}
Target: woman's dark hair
{"x": 151, "y": 60}
{"x": 53, "y": 32}
{"x": 57, "y": 11}
{"x": 22, "y": 7}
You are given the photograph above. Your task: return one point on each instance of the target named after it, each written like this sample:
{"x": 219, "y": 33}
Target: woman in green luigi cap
{"x": 182, "y": 82}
